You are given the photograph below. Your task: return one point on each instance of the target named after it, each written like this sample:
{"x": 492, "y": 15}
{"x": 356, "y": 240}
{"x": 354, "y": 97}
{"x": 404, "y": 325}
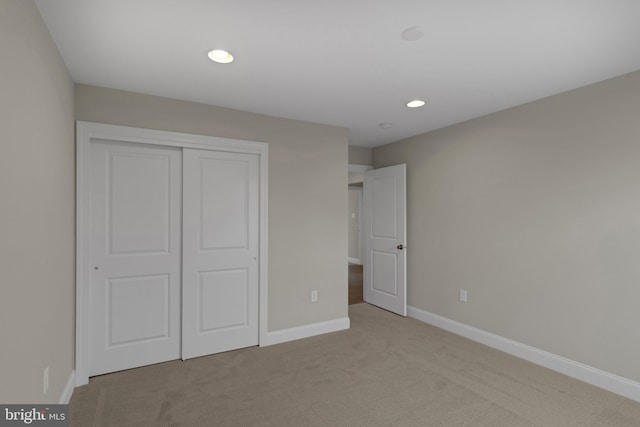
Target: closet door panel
{"x": 220, "y": 252}
{"x": 136, "y": 250}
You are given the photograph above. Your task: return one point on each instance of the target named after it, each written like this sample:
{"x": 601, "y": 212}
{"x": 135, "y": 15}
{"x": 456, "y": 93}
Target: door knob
{"x": 400, "y": 246}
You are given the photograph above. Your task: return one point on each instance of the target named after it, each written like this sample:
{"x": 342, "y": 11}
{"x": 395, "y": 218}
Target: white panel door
{"x": 135, "y": 250}
{"x": 220, "y": 252}
{"x": 385, "y": 238}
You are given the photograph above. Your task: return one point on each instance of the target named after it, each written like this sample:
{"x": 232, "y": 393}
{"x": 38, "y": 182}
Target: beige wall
{"x": 536, "y": 212}
{"x": 37, "y": 213}
{"x": 360, "y": 155}
{"x": 307, "y": 192}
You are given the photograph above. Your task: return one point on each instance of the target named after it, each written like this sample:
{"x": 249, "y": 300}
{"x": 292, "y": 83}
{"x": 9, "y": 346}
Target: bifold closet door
{"x": 135, "y": 254}
{"x": 220, "y": 251}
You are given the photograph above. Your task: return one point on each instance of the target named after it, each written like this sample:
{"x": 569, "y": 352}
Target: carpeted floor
{"x": 385, "y": 371}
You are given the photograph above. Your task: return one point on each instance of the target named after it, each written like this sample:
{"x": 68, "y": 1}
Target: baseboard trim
{"x": 306, "y": 331}
{"x": 65, "y": 397}
{"x": 605, "y": 380}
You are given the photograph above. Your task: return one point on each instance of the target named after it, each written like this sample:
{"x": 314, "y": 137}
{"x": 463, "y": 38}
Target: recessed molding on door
{"x": 85, "y": 133}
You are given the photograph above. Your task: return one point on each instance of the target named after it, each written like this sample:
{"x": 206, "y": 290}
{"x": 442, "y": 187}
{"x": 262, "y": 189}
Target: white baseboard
{"x": 65, "y": 397}
{"x": 611, "y": 382}
{"x": 354, "y": 261}
{"x": 299, "y": 332}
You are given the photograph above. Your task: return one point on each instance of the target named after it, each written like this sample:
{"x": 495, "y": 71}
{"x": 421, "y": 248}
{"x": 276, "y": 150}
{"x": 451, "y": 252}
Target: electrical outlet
{"x": 45, "y": 380}
{"x": 463, "y": 295}
{"x": 314, "y": 296}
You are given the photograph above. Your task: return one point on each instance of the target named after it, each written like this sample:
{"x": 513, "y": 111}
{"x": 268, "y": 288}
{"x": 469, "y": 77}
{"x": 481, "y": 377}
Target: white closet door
{"x": 135, "y": 283}
{"x": 220, "y": 252}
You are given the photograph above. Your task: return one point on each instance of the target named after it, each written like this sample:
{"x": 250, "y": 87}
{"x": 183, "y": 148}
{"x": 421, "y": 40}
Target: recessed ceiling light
{"x": 416, "y": 103}
{"x": 220, "y": 56}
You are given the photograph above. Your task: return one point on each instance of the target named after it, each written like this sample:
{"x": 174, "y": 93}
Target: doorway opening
{"x": 355, "y": 218}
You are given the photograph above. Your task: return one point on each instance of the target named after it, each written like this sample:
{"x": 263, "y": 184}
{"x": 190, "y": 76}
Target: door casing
{"x": 360, "y": 170}
{"x": 88, "y": 131}
{"x": 358, "y": 259}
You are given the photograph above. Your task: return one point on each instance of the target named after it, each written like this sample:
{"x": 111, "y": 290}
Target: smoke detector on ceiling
{"x": 412, "y": 34}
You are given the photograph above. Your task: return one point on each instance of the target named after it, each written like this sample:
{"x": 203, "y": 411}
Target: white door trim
{"x": 359, "y": 169}
{"x": 358, "y": 260}
{"x": 85, "y": 132}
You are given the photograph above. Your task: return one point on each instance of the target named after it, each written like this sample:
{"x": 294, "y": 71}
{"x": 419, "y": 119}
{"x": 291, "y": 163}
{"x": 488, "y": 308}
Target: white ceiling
{"x": 344, "y": 62}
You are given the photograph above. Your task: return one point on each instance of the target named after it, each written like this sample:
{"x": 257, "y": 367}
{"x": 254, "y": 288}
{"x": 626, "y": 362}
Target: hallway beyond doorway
{"x": 355, "y": 284}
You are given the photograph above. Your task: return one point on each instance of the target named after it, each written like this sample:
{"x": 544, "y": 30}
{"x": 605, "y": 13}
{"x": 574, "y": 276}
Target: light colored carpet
{"x": 385, "y": 371}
